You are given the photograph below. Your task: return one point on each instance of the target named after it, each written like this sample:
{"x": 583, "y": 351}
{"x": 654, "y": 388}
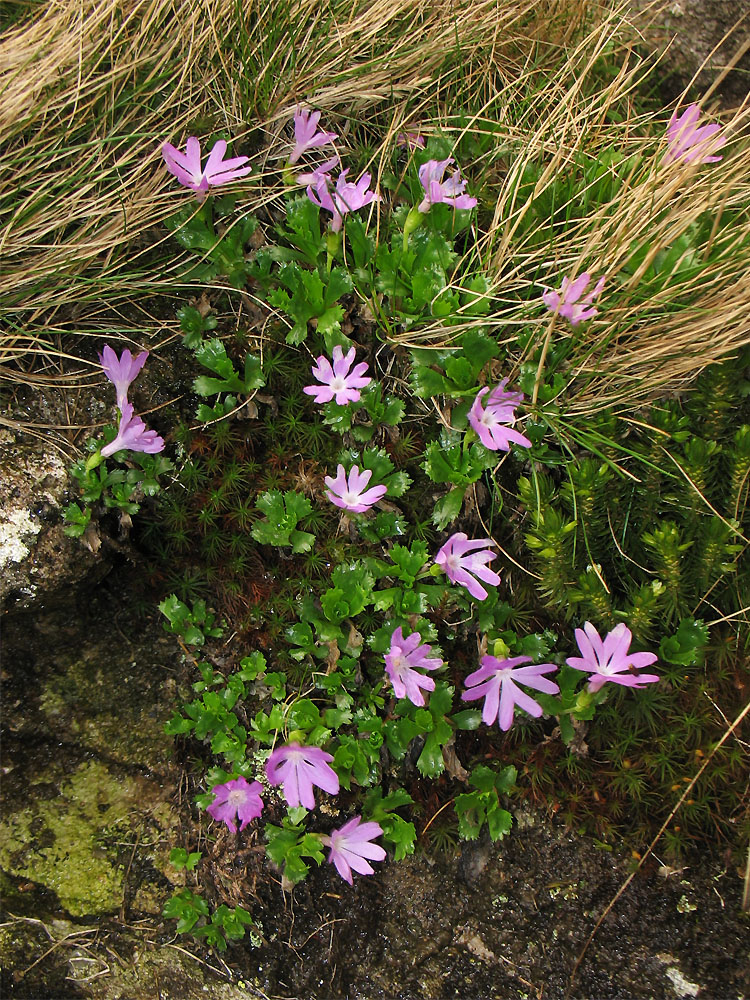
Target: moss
{"x": 61, "y": 843}
{"x": 78, "y": 703}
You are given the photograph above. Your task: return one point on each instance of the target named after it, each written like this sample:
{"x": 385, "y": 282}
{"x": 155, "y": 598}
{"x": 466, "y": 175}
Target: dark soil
{"x": 496, "y": 921}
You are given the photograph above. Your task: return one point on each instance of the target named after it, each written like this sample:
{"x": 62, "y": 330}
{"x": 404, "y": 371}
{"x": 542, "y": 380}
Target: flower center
{"x": 350, "y": 498}
{"x": 236, "y": 797}
{"x": 338, "y": 383}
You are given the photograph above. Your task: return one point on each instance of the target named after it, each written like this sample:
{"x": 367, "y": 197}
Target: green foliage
{"x": 283, "y": 512}
{"x": 212, "y": 354}
{"x": 120, "y": 488}
{"x": 288, "y": 844}
{"x": 194, "y": 324}
{"x": 181, "y": 859}
{"x": 225, "y": 924}
{"x": 220, "y": 255}
{"x": 306, "y": 295}
{"x": 481, "y": 806}
{"x": 193, "y": 625}
{"x": 454, "y": 371}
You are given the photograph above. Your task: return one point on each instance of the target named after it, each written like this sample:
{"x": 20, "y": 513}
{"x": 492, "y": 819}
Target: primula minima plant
{"x": 497, "y": 682}
{"x": 121, "y": 371}
{"x": 410, "y": 140}
{"x": 351, "y": 847}
{"x": 319, "y": 174}
{"x": 403, "y": 663}
{"x": 186, "y": 167}
{"x": 568, "y": 302}
{"x": 338, "y": 380}
{"x": 350, "y": 492}
{"x": 343, "y": 198}
{"x": 236, "y": 799}
{"x": 132, "y": 433}
{"x": 492, "y": 418}
{"x": 610, "y": 661}
{"x": 306, "y": 134}
{"x": 437, "y": 190}
{"x": 464, "y": 561}
{"x": 689, "y": 143}
{"x": 299, "y": 768}
{"x": 361, "y": 636}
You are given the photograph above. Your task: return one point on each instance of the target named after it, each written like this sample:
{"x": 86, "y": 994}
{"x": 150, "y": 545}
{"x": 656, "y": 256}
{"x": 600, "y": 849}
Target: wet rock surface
{"x": 38, "y": 562}
{"x": 93, "y": 801}
{"x": 92, "y": 808}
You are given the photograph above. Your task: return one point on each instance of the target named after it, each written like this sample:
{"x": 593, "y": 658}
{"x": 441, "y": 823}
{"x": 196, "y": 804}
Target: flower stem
{"x": 413, "y": 221}
{"x": 542, "y": 359}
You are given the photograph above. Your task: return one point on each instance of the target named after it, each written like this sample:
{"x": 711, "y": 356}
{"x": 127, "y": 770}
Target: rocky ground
{"x": 94, "y": 800}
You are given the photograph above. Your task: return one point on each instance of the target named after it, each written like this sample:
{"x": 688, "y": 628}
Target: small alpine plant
{"x": 343, "y": 198}
{"x": 338, "y": 380}
{"x": 609, "y": 661}
{"x": 493, "y": 418}
{"x": 306, "y": 134}
{"x": 568, "y": 302}
{"x": 236, "y": 799}
{"x": 121, "y": 371}
{"x": 689, "y": 143}
{"x": 463, "y": 564}
{"x": 437, "y": 190}
{"x": 133, "y": 435}
{"x": 299, "y": 768}
{"x": 351, "y": 847}
{"x": 403, "y": 663}
{"x": 186, "y": 167}
{"x": 350, "y": 492}
{"x": 497, "y": 682}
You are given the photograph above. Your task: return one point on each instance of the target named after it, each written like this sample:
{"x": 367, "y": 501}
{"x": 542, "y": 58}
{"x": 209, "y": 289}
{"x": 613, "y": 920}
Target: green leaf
{"x": 499, "y": 822}
{"x": 687, "y": 646}
{"x": 448, "y": 507}
{"x": 468, "y": 719}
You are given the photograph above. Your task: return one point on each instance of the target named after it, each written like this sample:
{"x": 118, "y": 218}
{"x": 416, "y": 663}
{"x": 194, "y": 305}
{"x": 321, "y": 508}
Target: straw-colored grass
{"x": 90, "y": 88}
{"x": 638, "y": 346}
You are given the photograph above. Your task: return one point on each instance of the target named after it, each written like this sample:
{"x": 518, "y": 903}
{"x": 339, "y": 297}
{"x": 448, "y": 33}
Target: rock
{"x": 696, "y": 29}
{"x": 38, "y": 562}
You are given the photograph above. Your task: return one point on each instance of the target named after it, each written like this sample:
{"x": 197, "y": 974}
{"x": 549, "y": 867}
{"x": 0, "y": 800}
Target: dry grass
{"x": 90, "y": 88}
{"x": 638, "y": 347}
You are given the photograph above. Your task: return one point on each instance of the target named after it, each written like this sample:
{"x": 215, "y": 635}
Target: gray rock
{"x": 698, "y": 30}
{"x": 38, "y": 562}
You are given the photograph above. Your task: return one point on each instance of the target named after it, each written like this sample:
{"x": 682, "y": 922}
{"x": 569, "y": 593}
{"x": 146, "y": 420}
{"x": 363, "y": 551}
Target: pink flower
{"x": 186, "y": 166}
{"x": 610, "y": 660}
{"x": 461, "y": 564}
{"x": 337, "y": 380}
{"x": 688, "y": 143}
{"x": 565, "y": 302}
{"x": 401, "y": 661}
{"x": 410, "y": 140}
{"x": 299, "y": 768}
{"x": 346, "y": 197}
{"x": 437, "y": 190}
{"x": 348, "y": 492}
{"x": 492, "y": 421}
{"x": 236, "y": 798}
{"x": 121, "y": 371}
{"x": 305, "y": 135}
{"x": 351, "y": 845}
{"x": 133, "y": 435}
{"x": 497, "y": 682}
{"x": 320, "y": 173}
